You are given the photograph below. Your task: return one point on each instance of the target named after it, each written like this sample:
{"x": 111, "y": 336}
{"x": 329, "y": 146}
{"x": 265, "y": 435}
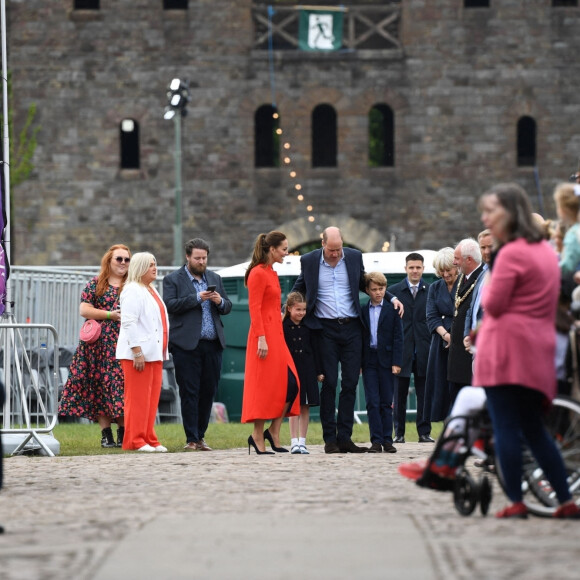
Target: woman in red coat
{"x": 271, "y": 381}
{"x": 516, "y": 344}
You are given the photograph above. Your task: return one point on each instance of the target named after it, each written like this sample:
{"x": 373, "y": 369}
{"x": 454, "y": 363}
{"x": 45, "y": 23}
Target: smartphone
{"x": 211, "y": 288}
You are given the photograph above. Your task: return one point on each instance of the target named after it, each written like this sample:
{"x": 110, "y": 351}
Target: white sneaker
{"x": 303, "y": 450}
{"x": 295, "y": 450}
{"x": 146, "y": 448}
{"x": 160, "y": 449}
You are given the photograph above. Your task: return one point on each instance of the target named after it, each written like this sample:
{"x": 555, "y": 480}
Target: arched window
{"x": 526, "y": 142}
{"x": 266, "y": 137}
{"x": 175, "y": 4}
{"x": 129, "y": 144}
{"x": 87, "y": 5}
{"x": 324, "y": 147}
{"x": 381, "y": 136}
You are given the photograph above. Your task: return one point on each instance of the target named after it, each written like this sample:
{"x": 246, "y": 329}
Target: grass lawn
{"x": 82, "y": 439}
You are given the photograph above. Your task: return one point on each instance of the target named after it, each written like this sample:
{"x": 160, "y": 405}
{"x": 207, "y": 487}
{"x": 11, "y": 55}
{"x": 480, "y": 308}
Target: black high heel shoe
{"x": 268, "y": 436}
{"x": 252, "y": 443}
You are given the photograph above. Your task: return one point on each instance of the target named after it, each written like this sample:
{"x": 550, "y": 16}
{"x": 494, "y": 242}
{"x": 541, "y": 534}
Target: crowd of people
{"x": 498, "y": 295}
{"x": 512, "y": 327}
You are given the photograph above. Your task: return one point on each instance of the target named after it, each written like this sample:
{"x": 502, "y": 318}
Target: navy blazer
{"x": 307, "y": 282}
{"x": 185, "y": 312}
{"x": 415, "y": 329}
{"x": 389, "y": 336}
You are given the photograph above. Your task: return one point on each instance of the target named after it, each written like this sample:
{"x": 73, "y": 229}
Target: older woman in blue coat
{"x": 439, "y": 318}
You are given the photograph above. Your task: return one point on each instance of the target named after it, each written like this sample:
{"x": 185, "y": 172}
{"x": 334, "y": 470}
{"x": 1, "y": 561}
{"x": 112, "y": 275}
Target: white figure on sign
{"x": 320, "y": 35}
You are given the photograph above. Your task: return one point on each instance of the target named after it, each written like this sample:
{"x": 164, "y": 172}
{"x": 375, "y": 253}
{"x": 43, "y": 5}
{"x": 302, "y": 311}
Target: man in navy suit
{"x": 195, "y": 298}
{"x": 331, "y": 278}
{"x": 412, "y": 292}
{"x": 382, "y": 358}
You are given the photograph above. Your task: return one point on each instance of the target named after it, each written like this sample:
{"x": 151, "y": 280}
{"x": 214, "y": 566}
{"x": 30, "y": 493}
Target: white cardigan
{"x": 141, "y": 324}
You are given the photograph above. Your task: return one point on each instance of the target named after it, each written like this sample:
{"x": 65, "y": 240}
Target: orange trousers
{"x": 142, "y": 390}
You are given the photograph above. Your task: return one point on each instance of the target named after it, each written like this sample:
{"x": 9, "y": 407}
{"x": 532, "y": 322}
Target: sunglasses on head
{"x": 121, "y": 260}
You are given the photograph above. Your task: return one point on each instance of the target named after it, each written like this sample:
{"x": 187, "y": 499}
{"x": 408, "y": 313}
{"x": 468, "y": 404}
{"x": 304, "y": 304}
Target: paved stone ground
{"x": 229, "y": 515}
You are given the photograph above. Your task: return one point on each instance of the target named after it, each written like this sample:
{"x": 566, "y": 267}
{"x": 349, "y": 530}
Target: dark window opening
{"x": 129, "y": 144}
{"x": 267, "y": 137}
{"x": 557, "y": 3}
{"x": 175, "y": 4}
{"x": 476, "y": 3}
{"x": 381, "y": 137}
{"x": 87, "y": 4}
{"x": 324, "y": 146}
{"x": 526, "y": 142}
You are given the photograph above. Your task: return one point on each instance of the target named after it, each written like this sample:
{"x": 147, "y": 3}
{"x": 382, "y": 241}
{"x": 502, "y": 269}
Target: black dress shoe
{"x": 426, "y": 439}
{"x": 375, "y": 448}
{"x": 399, "y": 439}
{"x": 350, "y": 447}
{"x": 331, "y": 447}
{"x": 389, "y": 448}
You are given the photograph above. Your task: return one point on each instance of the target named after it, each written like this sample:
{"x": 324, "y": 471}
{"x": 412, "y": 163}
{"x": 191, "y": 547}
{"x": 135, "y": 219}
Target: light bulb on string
{"x": 286, "y": 145}
{"x": 309, "y": 208}
{"x": 297, "y": 187}
{"x": 311, "y": 219}
{"x": 293, "y": 174}
{"x": 300, "y": 197}
{"x": 287, "y": 160}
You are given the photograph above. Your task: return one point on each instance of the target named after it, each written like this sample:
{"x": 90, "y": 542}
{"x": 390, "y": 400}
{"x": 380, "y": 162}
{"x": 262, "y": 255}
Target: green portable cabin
{"x": 237, "y": 323}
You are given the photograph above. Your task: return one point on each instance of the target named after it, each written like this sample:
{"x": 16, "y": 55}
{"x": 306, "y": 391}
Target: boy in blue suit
{"x": 382, "y": 357}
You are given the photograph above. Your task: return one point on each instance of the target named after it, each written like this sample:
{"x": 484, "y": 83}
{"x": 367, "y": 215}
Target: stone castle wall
{"x": 457, "y": 88}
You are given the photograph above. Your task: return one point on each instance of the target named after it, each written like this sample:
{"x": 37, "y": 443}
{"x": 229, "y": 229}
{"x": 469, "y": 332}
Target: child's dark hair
{"x": 291, "y": 299}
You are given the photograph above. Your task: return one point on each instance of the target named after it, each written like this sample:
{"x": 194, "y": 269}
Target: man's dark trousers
{"x": 401, "y": 393}
{"x": 340, "y": 344}
{"x": 197, "y": 373}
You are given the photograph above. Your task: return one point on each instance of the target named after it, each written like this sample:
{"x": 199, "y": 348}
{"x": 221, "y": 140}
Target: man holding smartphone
{"x": 195, "y": 298}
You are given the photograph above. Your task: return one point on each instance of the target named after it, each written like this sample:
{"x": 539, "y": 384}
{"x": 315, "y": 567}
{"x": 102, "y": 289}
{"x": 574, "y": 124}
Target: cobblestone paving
{"x": 63, "y": 516}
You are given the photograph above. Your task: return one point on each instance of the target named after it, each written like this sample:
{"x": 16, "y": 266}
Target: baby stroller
{"x": 463, "y": 461}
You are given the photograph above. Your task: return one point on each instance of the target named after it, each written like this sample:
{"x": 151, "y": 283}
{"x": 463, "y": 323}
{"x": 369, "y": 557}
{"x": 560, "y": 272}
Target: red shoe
{"x": 568, "y": 511}
{"x": 413, "y": 470}
{"x": 479, "y": 444}
{"x": 516, "y": 510}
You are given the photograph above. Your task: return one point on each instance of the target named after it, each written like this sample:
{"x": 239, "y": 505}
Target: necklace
{"x": 458, "y": 300}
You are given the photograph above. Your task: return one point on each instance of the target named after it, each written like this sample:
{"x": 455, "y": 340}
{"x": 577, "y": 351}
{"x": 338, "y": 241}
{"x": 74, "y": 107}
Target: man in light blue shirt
{"x": 331, "y": 279}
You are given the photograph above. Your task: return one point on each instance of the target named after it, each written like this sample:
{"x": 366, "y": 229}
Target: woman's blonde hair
{"x": 443, "y": 260}
{"x": 292, "y": 299}
{"x": 568, "y": 201}
{"x": 139, "y": 264}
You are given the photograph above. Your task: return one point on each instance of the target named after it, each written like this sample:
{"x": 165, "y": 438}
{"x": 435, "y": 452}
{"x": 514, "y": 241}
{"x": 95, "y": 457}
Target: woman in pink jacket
{"x": 516, "y": 344}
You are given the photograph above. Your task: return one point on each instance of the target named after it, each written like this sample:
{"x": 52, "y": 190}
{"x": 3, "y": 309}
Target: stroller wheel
{"x": 485, "y": 494}
{"x": 465, "y": 494}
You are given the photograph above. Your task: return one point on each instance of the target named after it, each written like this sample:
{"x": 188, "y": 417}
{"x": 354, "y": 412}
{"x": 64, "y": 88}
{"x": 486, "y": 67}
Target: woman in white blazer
{"x": 142, "y": 348}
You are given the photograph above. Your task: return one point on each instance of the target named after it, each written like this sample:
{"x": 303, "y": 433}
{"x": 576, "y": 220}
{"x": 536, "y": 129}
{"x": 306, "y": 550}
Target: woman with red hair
{"x": 95, "y": 387}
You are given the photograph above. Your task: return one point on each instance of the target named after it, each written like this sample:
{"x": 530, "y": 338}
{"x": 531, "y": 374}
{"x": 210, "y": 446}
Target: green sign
{"x": 320, "y": 30}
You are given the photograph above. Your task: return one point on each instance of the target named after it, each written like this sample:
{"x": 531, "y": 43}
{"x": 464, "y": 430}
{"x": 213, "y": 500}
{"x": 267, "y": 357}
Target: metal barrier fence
{"x": 43, "y": 295}
{"x": 29, "y": 365}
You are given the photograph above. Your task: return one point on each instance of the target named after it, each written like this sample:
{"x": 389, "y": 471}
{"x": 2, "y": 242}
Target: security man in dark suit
{"x": 412, "y": 292}
{"x": 195, "y": 298}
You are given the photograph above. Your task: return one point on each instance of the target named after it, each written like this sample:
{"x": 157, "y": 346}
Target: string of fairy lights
{"x": 293, "y": 173}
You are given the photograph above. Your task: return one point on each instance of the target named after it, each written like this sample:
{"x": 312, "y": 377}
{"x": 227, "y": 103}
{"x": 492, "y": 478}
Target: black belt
{"x": 340, "y": 321}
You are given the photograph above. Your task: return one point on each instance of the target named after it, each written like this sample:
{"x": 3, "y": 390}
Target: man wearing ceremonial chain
{"x": 467, "y": 258}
